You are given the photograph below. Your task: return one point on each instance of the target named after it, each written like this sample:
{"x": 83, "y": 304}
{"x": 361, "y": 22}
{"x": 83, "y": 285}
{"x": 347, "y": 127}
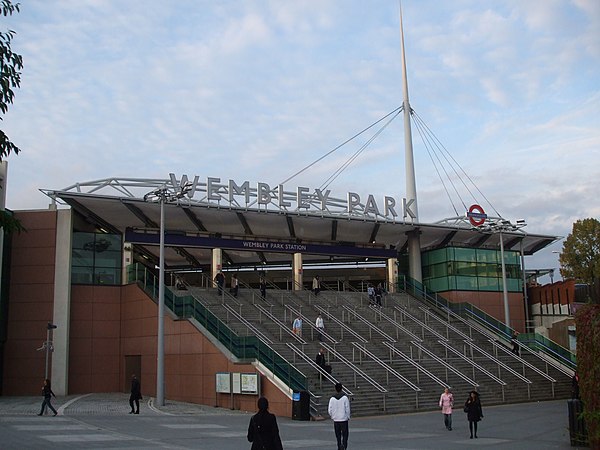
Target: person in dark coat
{"x": 474, "y": 412}
{"x": 136, "y": 395}
{"x": 220, "y": 280}
{"x": 263, "y": 431}
{"x": 263, "y": 287}
{"x": 48, "y": 394}
{"x": 321, "y": 362}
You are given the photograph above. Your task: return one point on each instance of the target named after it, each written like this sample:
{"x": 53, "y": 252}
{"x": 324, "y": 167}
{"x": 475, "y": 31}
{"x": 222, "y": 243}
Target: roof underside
{"x": 118, "y": 214}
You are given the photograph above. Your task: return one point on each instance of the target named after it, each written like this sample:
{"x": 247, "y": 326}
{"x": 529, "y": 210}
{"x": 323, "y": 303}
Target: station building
{"x": 73, "y": 266}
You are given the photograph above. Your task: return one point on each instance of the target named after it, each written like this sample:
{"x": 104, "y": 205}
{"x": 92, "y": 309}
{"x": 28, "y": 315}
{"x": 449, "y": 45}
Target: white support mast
{"x": 414, "y": 242}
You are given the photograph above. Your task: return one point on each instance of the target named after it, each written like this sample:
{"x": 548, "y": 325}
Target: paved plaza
{"x": 102, "y": 421}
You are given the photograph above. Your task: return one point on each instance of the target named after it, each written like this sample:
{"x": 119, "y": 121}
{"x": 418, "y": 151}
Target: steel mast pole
{"x": 411, "y": 207}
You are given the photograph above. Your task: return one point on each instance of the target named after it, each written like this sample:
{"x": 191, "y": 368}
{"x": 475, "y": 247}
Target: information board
{"x": 249, "y": 383}
{"x": 223, "y": 382}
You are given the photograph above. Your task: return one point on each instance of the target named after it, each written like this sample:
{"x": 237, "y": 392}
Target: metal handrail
{"x": 342, "y": 325}
{"x": 415, "y": 364}
{"x": 448, "y": 325}
{"x": 538, "y": 343}
{"x": 444, "y": 363}
{"x": 497, "y": 361}
{"x": 399, "y": 326}
{"x": 282, "y": 326}
{"x": 551, "y": 362}
{"x": 241, "y": 346}
{"x": 369, "y": 324}
{"x": 473, "y": 363}
{"x": 493, "y": 324}
{"x": 255, "y": 292}
{"x": 355, "y": 369}
{"x": 224, "y": 294}
{"x": 389, "y": 369}
{"x": 314, "y": 365}
{"x": 248, "y": 324}
{"x": 423, "y": 325}
{"x": 521, "y": 360}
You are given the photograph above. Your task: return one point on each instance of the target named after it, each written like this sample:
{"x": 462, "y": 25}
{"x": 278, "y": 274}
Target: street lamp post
{"x": 162, "y": 195}
{"x": 504, "y": 288}
{"x": 500, "y": 226}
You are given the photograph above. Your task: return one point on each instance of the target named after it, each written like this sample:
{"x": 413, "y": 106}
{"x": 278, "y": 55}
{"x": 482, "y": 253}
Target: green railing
{"x": 534, "y": 341}
{"x": 243, "y": 347}
{"x": 542, "y": 343}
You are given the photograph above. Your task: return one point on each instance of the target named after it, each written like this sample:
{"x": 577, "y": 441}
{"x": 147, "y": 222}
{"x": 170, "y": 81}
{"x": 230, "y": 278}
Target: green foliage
{"x": 11, "y": 65}
{"x": 9, "y": 224}
{"x": 587, "y": 320}
{"x": 580, "y": 256}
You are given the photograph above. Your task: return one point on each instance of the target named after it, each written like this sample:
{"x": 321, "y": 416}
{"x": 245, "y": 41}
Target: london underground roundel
{"x": 476, "y": 215}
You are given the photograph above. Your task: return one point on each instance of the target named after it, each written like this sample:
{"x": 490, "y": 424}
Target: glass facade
{"x": 96, "y": 258}
{"x": 470, "y": 269}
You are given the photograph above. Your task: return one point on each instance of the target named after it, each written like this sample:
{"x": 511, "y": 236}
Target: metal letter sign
{"x": 214, "y": 191}
{"x": 476, "y": 215}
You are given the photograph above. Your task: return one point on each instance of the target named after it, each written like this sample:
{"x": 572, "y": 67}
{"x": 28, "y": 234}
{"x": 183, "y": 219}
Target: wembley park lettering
{"x": 262, "y": 195}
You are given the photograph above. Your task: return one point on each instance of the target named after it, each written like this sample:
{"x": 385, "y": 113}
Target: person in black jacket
{"x": 136, "y": 395}
{"x": 263, "y": 431}
{"x": 48, "y": 394}
{"x": 321, "y": 362}
{"x": 474, "y": 412}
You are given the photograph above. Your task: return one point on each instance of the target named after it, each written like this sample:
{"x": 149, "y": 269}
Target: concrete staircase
{"x": 439, "y": 350}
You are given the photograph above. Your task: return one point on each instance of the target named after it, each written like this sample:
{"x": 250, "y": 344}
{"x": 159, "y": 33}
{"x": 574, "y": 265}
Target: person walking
{"x": 220, "y": 280}
{"x": 48, "y": 394}
{"x": 262, "y": 430}
{"x": 297, "y": 326}
{"x": 235, "y": 285}
{"x": 320, "y": 327}
{"x": 136, "y": 395}
{"x": 339, "y": 411}
{"x": 262, "y": 284}
{"x": 316, "y": 285}
{"x": 446, "y": 403}
{"x": 515, "y": 343}
{"x": 321, "y": 362}
{"x": 474, "y": 412}
{"x": 371, "y": 294}
{"x": 378, "y": 295}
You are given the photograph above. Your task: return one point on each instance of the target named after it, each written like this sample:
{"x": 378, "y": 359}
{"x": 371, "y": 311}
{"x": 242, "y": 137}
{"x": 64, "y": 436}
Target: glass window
{"x": 465, "y": 254}
{"x": 96, "y": 258}
{"x": 466, "y": 269}
{"x": 438, "y": 284}
{"x": 489, "y": 284}
{"x": 466, "y": 283}
{"x": 487, "y": 256}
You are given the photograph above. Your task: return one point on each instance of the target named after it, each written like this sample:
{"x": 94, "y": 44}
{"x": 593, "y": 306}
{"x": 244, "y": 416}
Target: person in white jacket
{"x": 339, "y": 411}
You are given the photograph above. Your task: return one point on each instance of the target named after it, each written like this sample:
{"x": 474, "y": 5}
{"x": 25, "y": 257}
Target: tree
{"x": 11, "y": 64}
{"x": 580, "y": 256}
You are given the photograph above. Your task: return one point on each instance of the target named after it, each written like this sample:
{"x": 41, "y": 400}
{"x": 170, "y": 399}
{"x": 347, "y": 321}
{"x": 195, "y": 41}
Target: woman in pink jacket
{"x": 446, "y": 403}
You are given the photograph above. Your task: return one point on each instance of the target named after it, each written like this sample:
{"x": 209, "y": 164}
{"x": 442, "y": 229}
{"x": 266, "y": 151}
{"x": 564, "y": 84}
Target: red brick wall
{"x": 31, "y": 299}
{"x": 492, "y": 303}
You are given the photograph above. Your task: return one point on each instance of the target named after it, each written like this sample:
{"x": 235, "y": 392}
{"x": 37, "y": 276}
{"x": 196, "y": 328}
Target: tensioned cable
{"x": 425, "y": 140}
{"x": 423, "y": 129}
{"x": 341, "y": 145}
{"x": 446, "y": 152}
{"x": 347, "y": 163}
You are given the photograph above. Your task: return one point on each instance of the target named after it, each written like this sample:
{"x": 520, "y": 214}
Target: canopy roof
{"x": 114, "y": 205}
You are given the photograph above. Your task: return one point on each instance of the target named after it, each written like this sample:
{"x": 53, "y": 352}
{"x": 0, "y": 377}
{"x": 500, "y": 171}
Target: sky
{"x": 258, "y": 90}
